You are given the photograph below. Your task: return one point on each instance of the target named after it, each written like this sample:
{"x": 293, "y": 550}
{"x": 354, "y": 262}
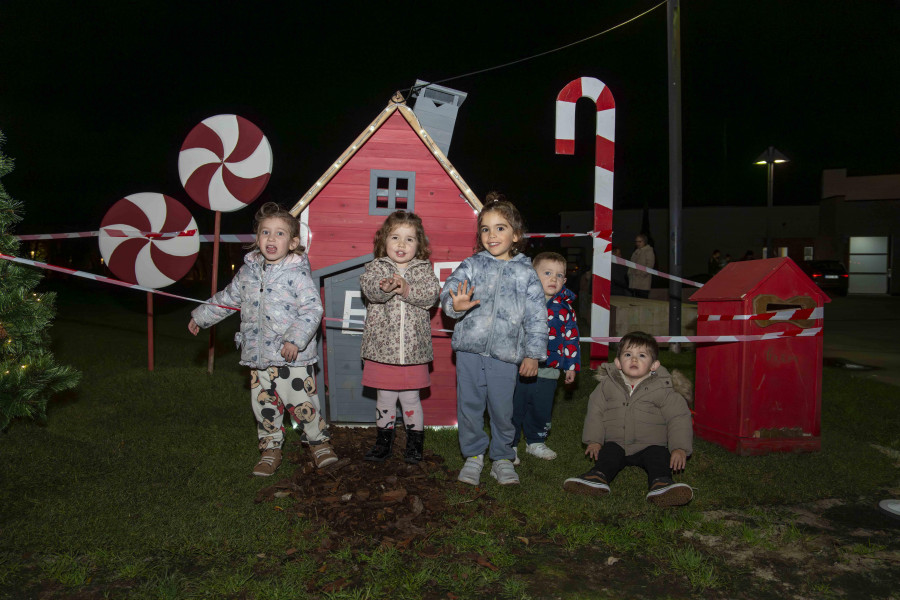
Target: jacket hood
{"x": 676, "y": 379}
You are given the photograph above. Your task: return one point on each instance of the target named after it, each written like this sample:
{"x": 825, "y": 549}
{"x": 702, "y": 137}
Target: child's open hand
{"x": 529, "y": 367}
{"x": 402, "y": 285}
{"x": 593, "y": 450}
{"x": 388, "y": 285}
{"x": 289, "y": 352}
{"x": 678, "y": 460}
{"x": 462, "y": 299}
{"x": 193, "y": 327}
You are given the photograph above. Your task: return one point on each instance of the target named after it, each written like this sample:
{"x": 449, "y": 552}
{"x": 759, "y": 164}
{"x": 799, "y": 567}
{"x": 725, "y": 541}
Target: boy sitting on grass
{"x": 634, "y": 417}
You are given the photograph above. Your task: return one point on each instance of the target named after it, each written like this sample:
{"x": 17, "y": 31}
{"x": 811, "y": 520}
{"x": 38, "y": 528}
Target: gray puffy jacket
{"x": 279, "y": 303}
{"x": 510, "y": 323}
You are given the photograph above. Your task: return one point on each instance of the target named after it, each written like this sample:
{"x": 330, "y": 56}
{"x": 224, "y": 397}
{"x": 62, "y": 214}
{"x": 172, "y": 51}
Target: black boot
{"x": 415, "y": 441}
{"x": 384, "y": 442}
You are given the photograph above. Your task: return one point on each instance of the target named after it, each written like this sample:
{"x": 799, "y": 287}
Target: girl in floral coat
{"x": 399, "y": 287}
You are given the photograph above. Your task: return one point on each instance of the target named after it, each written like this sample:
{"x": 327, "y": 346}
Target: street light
{"x": 770, "y": 158}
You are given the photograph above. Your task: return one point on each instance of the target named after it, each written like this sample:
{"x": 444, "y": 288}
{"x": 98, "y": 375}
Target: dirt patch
{"x": 391, "y": 503}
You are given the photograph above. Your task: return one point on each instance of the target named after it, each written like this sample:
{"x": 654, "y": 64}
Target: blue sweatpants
{"x": 482, "y": 381}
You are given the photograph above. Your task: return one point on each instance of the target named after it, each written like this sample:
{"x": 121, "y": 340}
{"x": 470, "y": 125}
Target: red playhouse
{"x": 398, "y": 162}
{"x": 756, "y": 397}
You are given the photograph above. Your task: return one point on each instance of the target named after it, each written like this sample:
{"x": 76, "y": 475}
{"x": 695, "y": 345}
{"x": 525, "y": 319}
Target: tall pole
{"x": 675, "y": 258}
{"x": 770, "y": 176}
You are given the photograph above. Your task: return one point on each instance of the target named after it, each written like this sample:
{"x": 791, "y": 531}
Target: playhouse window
{"x": 390, "y": 191}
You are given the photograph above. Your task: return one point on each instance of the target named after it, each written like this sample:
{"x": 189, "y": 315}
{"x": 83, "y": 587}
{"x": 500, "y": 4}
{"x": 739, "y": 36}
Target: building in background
{"x": 856, "y": 222}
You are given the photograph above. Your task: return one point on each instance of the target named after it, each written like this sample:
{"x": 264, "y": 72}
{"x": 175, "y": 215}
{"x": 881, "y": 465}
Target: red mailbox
{"x": 756, "y": 397}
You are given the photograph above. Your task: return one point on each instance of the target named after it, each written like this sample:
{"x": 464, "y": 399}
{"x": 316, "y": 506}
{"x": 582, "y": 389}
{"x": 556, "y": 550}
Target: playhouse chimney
{"x": 436, "y": 107}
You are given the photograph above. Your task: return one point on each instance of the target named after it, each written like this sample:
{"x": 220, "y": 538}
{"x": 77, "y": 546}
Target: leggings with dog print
{"x": 293, "y": 389}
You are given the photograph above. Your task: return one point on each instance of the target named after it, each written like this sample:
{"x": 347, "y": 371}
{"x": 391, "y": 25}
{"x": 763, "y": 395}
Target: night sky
{"x": 96, "y": 98}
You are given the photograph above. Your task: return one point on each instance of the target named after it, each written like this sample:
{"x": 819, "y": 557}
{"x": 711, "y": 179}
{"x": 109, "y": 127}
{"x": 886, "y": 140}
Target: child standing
{"x": 533, "y": 400}
{"x": 280, "y": 314}
{"x": 501, "y": 334}
{"x": 635, "y": 417}
{"x": 400, "y": 286}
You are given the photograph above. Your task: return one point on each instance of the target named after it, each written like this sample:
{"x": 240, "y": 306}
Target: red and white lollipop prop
{"x": 225, "y": 163}
{"x": 144, "y": 259}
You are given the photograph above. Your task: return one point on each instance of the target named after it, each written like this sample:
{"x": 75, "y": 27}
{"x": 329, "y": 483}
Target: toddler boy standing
{"x": 634, "y": 417}
{"x": 533, "y": 399}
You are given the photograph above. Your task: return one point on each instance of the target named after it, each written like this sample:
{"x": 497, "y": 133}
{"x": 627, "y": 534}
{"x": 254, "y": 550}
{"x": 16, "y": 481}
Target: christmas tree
{"x": 29, "y": 374}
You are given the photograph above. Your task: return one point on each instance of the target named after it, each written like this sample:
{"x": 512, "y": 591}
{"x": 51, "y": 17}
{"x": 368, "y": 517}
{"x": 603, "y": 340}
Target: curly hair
{"x": 639, "y": 340}
{"x": 396, "y": 219}
{"x": 495, "y": 201}
{"x": 270, "y": 210}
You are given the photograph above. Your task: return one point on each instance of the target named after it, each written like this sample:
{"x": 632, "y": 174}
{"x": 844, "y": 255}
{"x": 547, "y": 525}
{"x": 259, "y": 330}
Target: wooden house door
{"x": 347, "y": 400}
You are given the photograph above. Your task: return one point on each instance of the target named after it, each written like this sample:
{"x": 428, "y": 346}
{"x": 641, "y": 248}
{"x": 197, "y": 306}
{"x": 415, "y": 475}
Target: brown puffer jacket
{"x": 654, "y": 415}
{"x": 398, "y": 330}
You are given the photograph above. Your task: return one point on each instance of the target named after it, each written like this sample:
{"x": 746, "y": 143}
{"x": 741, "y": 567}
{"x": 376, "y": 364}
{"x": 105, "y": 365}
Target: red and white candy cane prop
{"x": 596, "y": 90}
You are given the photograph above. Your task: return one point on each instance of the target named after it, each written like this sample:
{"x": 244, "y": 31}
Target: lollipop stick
{"x": 215, "y": 285}
{"x": 149, "y": 331}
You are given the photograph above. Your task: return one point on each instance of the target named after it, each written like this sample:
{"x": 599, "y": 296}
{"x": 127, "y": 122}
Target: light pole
{"x": 770, "y": 158}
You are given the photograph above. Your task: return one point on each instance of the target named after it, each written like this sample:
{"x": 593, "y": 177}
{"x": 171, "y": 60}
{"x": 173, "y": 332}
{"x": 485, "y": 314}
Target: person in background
{"x": 715, "y": 263}
{"x": 639, "y": 281}
{"x": 618, "y": 279}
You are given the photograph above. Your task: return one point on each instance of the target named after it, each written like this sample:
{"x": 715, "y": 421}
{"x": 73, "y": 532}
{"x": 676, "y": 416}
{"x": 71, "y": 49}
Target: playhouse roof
{"x": 397, "y": 104}
{"x": 742, "y": 278}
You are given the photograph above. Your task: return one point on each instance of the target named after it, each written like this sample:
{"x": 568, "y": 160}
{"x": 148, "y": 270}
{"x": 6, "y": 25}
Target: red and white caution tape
{"x": 718, "y": 339}
{"x": 632, "y": 265}
{"x": 778, "y": 315}
{"x": 102, "y": 279}
{"x": 783, "y": 315}
{"x": 225, "y": 238}
{"x": 603, "y": 234}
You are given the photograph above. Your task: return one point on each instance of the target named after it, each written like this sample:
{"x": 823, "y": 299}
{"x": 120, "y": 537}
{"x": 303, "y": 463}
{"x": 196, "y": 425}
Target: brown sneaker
{"x": 322, "y": 454}
{"x": 668, "y": 493}
{"x": 268, "y": 463}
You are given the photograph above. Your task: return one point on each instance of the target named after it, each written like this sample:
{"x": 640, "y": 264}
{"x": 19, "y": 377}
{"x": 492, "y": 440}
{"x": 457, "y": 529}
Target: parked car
{"x": 830, "y": 275}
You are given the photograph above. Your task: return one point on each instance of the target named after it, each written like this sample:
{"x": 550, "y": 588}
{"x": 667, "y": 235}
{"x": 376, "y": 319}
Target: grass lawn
{"x": 138, "y": 486}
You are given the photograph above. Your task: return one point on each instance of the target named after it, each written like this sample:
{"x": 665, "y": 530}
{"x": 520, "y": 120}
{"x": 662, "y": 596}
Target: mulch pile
{"x": 392, "y": 502}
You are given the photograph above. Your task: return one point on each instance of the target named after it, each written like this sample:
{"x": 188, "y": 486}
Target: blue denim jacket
{"x": 510, "y": 323}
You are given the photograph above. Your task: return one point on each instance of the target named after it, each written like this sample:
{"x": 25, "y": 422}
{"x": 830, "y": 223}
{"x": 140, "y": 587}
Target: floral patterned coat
{"x": 398, "y": 330}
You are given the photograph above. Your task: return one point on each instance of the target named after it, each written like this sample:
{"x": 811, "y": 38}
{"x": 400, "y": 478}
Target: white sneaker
{"x": 471, "y": 471}
{"x": 504, "y": 472}
{"x": 517, "y": 461}
{"x": 541, "y": 451}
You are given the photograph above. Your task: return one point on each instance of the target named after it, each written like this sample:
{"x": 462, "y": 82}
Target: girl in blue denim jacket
{"x": 501, "y": 333}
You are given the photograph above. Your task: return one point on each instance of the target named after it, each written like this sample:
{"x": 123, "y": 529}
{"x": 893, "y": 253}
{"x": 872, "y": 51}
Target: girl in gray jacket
{"x": 501, "y": 333}
{"x": 280, "y": 314}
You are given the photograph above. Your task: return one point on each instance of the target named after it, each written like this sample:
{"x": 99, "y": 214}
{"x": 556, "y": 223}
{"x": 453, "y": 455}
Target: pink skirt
{"x": 395, "y": 377}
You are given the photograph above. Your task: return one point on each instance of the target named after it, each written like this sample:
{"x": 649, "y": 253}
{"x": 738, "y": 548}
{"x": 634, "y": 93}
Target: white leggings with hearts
{"x": 386, "y": 409}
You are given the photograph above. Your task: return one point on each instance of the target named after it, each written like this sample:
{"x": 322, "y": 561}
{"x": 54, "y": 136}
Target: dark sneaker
{"x": 592, "y": 483}
{"x": 322, "y": 454}
{"x": 268, "y": 463}
{"x": 666, "y": 493}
